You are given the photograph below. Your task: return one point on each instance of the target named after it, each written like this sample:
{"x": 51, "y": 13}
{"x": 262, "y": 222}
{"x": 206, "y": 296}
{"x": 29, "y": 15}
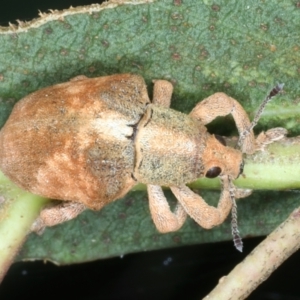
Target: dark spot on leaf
{"x": 204, "y": 54}
{"x": 176, "y": 56}
{"x": 106, "y": 238}
{"x": 252, "y": 83}
{"x": 105, "y": 43}
{"x": 155, "y": 238}
{"x": 172, "y": 48}
{"x": 215, "y": 7}
{"x": 173, "y": 81}
{"x": 64, "y": 52}
{"x": 176, "y": 16}
{"x": 95, "y": 15}
{"x": 135, "y": 64}
{"x": 206, "y": 87}
{"x": 279, "y": 21}
{"x": 137, "y": 236}
{"x": 122, "y": 216}
{"x": 129, "y": 202}
{"x": 259, "y": 10}
{"x": 177, "y": 2}
{"x": 92, "y": 69}
{"x": 25, "y": 83}
{"x": 264, "y": 27}
{"x": 13, "y": 36}
{"x": 48, "y": 30}
{"x": 67, "y": 26}
{"x": 176, "y": 239}
{"x": 212, "y": 27}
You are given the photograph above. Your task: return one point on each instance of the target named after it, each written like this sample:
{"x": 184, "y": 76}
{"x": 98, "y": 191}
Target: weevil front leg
{"x": 205, "y": 215}
{"x": 56, "y": 214}
{"x": 164, "y": 219}
{"x": 219, "y": 104}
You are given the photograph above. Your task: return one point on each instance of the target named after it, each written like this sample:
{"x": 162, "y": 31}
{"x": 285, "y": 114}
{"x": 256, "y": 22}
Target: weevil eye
{"x": 213, "y": 172}
{"x": 220, "y": 139}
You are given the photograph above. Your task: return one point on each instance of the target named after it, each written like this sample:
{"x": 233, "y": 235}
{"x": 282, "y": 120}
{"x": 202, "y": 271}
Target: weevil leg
{"x": 164, "y": 219}
{"x": 205, "y": 215}
{"x": 220, "y": 104}
{"x": 270, "y": 136}
{"x": 162, "y": 92}
{"x": 242, "y": 193}
{"x": 57, "y": 214}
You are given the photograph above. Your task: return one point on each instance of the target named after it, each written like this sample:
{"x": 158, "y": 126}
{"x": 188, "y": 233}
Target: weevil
{"x": 90, "y": 140}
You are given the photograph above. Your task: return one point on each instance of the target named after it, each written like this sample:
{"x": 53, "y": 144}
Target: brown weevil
{"x": 90, "y": 140}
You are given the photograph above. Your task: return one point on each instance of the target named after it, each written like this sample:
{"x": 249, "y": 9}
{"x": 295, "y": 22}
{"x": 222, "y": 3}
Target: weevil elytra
{"x": 90, "y": 140}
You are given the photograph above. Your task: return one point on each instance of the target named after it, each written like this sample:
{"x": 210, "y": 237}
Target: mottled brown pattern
{"x": 69, "y": 140}
{"x": 89, "y": 141}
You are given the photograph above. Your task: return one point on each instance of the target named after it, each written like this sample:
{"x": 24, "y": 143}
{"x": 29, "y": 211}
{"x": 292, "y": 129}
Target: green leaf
{"x": 203, "y": 47}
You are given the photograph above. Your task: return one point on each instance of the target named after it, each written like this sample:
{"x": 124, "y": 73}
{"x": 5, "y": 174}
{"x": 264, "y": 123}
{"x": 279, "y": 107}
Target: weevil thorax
{"x": 227, "y": 160}
{"x": 169, "y": 147}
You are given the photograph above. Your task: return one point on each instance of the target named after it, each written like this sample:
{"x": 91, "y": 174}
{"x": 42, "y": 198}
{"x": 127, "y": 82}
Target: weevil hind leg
{"x": 205, "y": 215}
{"x": 162, "y": 92}
{"x": 56, "y": 214}
{"x": 164, "y": 219}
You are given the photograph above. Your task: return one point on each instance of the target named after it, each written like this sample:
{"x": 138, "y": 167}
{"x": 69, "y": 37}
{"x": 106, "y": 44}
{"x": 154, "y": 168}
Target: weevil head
{"x": 220, "y": 160}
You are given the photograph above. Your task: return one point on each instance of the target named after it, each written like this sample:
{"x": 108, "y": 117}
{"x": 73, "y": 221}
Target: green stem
{"x": 18, "y": 211}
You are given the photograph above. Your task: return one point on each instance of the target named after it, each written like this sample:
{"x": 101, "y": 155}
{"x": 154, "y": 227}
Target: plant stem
{"x": 261, "y": 262}
{"x": 18, "y": 211}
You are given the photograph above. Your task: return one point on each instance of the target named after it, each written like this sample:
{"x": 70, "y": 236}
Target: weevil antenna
{"x": 237, "y": 240}
{"x": 275, "y": 91}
